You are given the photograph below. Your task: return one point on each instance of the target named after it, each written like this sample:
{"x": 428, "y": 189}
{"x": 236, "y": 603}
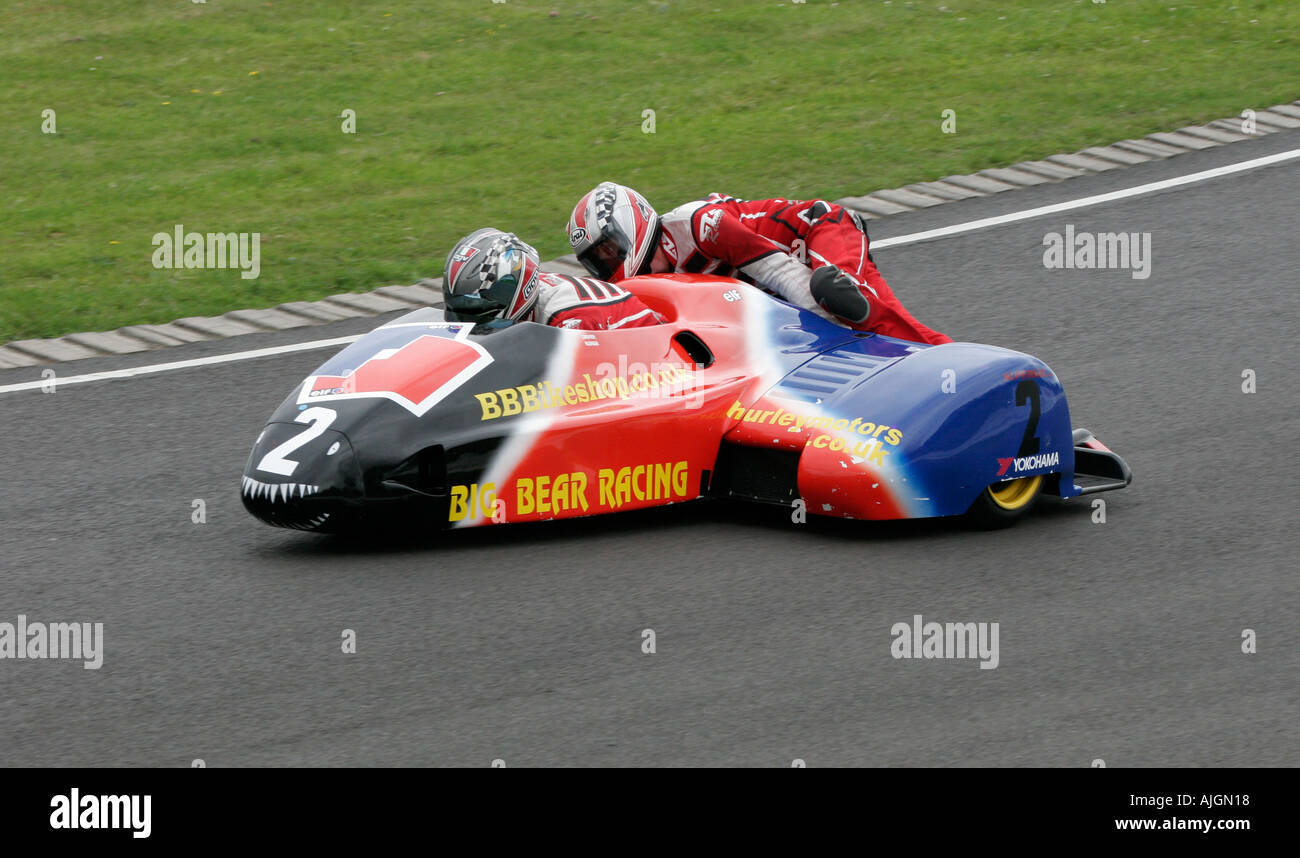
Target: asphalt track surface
{"x": 1119, "y": 641}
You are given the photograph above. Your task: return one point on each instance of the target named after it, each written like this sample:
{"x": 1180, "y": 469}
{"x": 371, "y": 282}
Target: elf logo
{"x": 75, "y": 810}
{"x": 1028, "y": 463}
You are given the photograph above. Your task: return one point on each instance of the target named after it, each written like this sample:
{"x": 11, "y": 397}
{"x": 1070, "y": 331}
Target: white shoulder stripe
{"x": 621, "y": 322}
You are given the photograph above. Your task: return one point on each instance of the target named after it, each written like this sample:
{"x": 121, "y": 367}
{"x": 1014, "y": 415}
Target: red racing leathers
{"x": 777, "y": 244}
{"x": 588, "y": 304}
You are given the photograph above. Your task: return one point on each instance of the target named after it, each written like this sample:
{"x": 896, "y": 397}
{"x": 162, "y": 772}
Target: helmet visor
{"x": 491, "y": 300}
{"x": 474, "y": 308}
{"x": 605, "y": 257}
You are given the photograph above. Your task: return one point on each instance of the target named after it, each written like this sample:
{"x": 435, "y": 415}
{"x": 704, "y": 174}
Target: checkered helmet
{"x": 613, "y": 231}
{"x": 489, "y": 273}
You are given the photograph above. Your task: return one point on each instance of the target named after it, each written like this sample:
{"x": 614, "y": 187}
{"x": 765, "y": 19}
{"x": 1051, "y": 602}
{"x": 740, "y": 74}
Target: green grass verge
{"x": 225, "y": 116}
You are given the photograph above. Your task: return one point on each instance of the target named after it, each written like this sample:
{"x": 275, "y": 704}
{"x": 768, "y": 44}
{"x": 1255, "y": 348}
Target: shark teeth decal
{"x": 310, "y": 524}
{"x": 277, "y": 492}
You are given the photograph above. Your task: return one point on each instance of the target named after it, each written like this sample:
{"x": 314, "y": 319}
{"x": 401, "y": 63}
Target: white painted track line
{"x": 132, "y": 372}
{"x": 1084, "y": 202}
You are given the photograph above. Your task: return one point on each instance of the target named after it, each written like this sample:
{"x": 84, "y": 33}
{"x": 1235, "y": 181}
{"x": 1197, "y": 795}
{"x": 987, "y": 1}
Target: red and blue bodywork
{"x": 737, "y": 395}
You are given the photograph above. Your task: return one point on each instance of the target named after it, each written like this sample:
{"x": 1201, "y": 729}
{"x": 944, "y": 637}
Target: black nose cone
{"x": 301, "y": 478}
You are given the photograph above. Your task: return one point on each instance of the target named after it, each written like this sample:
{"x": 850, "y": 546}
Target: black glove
{"x": 837, "y": 293}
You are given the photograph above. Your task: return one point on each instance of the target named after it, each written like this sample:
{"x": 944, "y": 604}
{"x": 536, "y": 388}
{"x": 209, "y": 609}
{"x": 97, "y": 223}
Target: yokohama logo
{"x": 1028, "y": 463}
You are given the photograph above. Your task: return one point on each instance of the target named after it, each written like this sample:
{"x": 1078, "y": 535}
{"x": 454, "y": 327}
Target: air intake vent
{"x": 756, "y": 474}
{"x": 695, "y": 348}
{"x": 424, "y": 473}
{"x": 828, "y": 374}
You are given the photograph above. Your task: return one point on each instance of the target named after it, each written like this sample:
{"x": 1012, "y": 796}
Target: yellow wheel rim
{"x": 1014, "y": 494}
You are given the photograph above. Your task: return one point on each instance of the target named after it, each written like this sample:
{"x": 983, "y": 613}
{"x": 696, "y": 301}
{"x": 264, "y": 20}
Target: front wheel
{"x": 1003, "y": 504}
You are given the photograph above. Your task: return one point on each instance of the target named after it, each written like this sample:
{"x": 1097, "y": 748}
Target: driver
{"x": 492, "y": 274}
{"x": 812, "y": 253}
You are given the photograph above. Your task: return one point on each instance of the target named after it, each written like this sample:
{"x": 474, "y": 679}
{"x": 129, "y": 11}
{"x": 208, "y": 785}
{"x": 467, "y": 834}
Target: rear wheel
{"x": 1004, "y": 503}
